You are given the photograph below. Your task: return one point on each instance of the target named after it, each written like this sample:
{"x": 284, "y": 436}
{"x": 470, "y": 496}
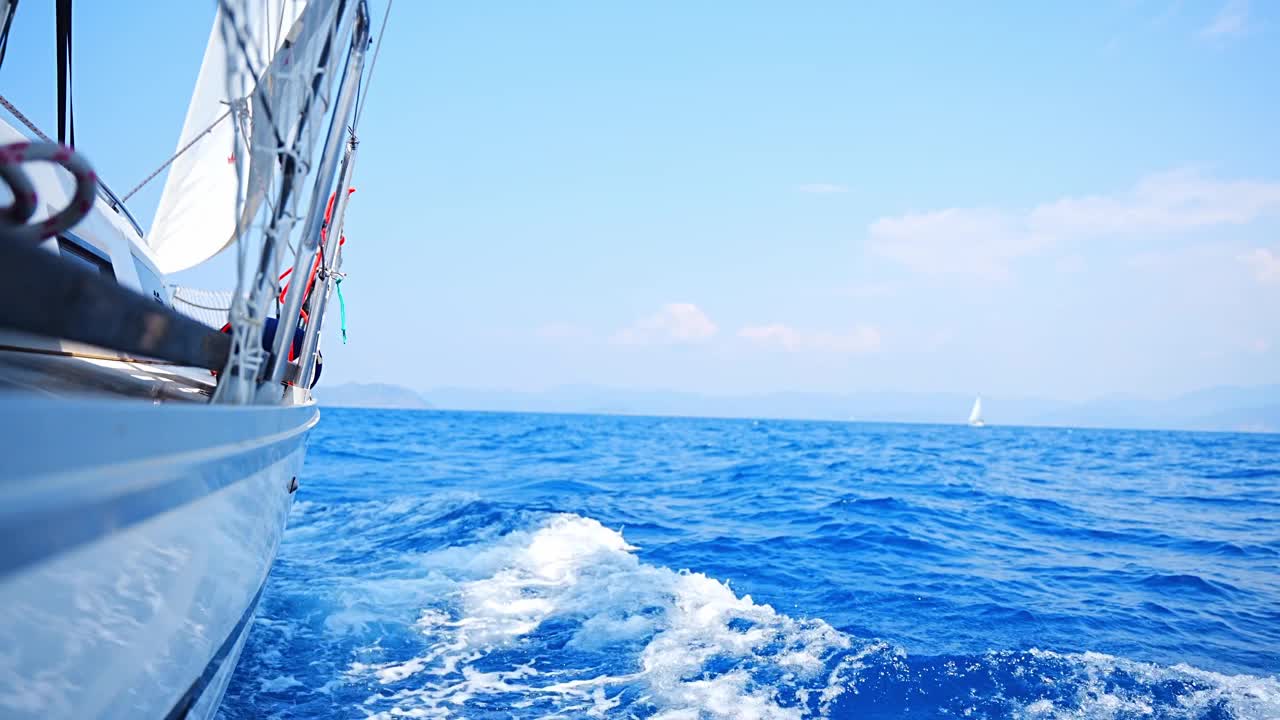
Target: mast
{"x": 310, "y": 239}
{"x": 290, "y": 103}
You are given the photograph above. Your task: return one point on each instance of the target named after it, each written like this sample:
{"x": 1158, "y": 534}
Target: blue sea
{"x": 486, "y": 565}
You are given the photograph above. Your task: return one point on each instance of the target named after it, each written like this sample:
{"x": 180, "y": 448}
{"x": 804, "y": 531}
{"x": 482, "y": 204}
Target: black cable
{"x": 4, "y": 31}
{"x": 66, "y": 101}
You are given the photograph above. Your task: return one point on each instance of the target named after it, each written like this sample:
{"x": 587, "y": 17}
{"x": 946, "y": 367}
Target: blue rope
{"x": 342, "y": 308}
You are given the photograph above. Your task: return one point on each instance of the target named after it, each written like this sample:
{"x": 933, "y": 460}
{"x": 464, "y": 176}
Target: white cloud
{"x": 1170, "y": 201}
{"x": 676, "y": 323}
{"x": 862, "y": 339}
{"x": 560, "y": 331}
{"x": 976, "y": 241}
{"x": 865, "y": 290}
{"x": 984, "y": 241}
{"x": 1071, "y": 264}
{"x": 823, "y": 188}
{"x": 1232, "y": 19}
{"x": 1265, "y": 264}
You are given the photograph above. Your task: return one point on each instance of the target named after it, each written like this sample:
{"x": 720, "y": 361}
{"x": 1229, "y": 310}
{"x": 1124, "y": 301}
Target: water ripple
{"x": 490, "y": 565}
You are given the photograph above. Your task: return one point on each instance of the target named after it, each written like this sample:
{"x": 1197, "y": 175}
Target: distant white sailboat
{"x": 975, "y": 415}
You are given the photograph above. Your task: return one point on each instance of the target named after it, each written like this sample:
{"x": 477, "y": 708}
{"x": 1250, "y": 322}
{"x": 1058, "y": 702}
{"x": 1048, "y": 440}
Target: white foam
{"x": 278, "y": 684}
{"x": 682, "y": 645}
{"x": 575, "y": 569}
{"x": 1249, "y": 697}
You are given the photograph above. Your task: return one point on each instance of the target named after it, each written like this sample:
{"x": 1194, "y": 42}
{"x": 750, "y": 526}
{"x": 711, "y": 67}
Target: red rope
{"x": 315, "y": 266}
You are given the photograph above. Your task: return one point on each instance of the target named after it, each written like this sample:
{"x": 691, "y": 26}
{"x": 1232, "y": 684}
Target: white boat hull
{"x": 135, "y": 541}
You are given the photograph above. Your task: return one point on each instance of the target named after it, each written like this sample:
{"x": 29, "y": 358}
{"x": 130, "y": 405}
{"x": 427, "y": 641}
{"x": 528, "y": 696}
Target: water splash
{"x": 564, "y": 619}
{"x": 446, "y": 565}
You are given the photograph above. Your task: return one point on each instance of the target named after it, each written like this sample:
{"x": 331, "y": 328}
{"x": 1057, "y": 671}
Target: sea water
{"x": 487, "y": 565}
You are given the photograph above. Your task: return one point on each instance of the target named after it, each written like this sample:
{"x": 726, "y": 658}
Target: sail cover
{"x": 196, "y": 217}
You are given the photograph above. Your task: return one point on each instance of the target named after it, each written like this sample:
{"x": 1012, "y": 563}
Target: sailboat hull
{"x": 135, "y": 541}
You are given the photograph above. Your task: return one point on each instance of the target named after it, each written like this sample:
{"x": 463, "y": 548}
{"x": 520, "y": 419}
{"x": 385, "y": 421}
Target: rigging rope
{"x": 23, "y": 119}
{"x": 185, "y": 301}
{"x": 176, "y": 155}
{"x": 373, "y": 65}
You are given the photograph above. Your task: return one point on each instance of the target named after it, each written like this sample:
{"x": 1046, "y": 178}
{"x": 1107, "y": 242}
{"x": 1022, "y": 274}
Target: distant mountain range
{"x": 1251, "y": 409}
{"x": 1254, "y": 409}
{"x": 370, "y": 395}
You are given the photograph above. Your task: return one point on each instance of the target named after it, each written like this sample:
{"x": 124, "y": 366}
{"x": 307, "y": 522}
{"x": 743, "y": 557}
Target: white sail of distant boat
{"x": 975, "y": 415}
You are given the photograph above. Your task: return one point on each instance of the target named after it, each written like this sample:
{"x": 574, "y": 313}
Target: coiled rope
{"x": 13, "y": 220}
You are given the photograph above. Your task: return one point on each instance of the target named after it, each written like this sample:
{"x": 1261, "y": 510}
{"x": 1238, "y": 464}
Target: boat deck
{"x": 63, "y": 373}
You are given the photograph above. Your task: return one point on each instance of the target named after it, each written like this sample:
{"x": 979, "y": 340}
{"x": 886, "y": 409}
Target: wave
{"x": 562, "y": 618}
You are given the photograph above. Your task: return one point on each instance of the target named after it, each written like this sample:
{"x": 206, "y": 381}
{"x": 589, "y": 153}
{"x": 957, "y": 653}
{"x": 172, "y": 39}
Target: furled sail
{"x": 293, "y": 109}
{"x": 196, "y": 217}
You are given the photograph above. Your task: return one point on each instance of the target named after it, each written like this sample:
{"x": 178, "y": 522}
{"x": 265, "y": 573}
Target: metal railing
{"x": 309, "y": 241}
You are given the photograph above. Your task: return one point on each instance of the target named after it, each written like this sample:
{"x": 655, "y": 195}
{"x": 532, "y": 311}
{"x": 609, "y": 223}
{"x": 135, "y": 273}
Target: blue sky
{"x": 1066, "y": 200}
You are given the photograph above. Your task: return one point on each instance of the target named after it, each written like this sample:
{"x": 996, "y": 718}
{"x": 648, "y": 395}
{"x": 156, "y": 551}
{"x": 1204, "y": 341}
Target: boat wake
{"x": 562, "y": 618}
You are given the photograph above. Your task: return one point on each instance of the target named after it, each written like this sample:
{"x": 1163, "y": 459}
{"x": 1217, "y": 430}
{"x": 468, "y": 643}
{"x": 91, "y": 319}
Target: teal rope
{"x": 342, "y": 308}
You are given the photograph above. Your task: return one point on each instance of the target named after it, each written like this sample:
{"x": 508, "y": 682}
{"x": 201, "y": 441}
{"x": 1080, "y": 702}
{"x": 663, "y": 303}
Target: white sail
{"x": 286, "y": 89}
{"x": 975, "y": 415}
{"x": 196, "y": 216}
